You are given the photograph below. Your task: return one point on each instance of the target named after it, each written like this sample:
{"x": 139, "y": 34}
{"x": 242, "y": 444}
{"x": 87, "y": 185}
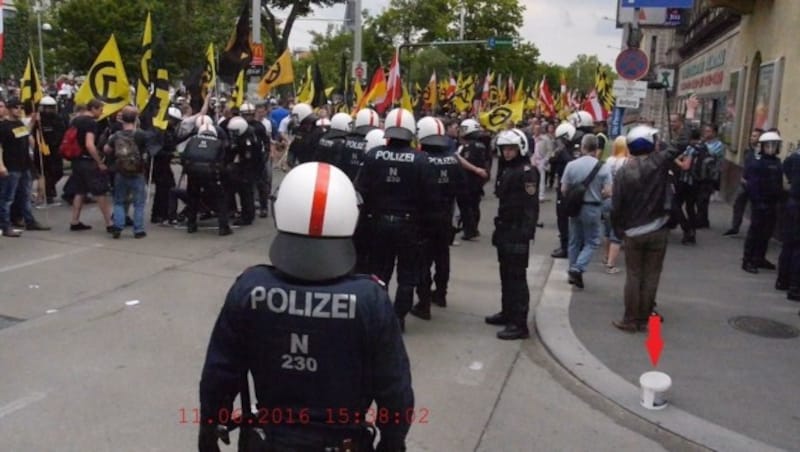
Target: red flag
{"x": 394, "y": 86}
{"x": 546, "y": 98}
{"x": 486, "y": 87}
{"x": 592, "y": 105}
{"x": 451, "y": 89}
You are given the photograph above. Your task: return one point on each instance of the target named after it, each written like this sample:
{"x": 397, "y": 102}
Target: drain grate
{"x": 764, "y": 327}
{"x": 6, "y": 321}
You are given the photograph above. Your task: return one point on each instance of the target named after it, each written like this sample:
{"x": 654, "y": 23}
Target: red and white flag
{"x": 546, "y": 98}
{"x": 2, "y": 36}
{"x": 592, "y": 105}
{"x": 394, "y": 86}
{"x": 451, "y": 88}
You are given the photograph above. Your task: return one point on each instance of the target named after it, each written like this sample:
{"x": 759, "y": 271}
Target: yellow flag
{"x": 143, "y": 85}
{"x": 306, "y": 93}
{"x": 280, "y": 73}
{"x": 106, "y": 81}
{"x": 498, "y": 118}
{"x": 358, "y": 92}
{"x": 519, "y": 93}
{"x": 329, "y": 91}
{"x": 239, "y": 91}
{"x": 44, "y": 148}
{"x": 465, "y": 92}
{"x": 405, "y": 100}
{"x": 210, "y": 71}
{"x": 161, "y": 93}
{"x": 31, "y": 89}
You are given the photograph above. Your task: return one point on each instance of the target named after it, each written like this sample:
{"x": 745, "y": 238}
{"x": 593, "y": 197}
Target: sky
{"x": 560, "y": 29}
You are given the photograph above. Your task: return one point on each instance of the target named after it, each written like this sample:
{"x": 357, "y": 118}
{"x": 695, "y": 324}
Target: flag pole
{"x": 216, "y": 88}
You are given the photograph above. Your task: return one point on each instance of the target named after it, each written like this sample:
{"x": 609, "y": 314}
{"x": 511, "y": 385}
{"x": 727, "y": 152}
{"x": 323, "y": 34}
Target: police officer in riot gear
{"x": 584, "y": 123}
{"x": 163, "y": 179}
{"x": 331, "y": 147}
{"x": 474, "y": 151}
{"x": 394, "y": 183}
{"x": 263, "y": 182}
{"x": 436, "y": 221}
{"x": 789, "y": 264}
{"x": 366, "y": 120}
{"x": 565, "y": 152}
{"x": 203, "y": 162}
{"x": 320, "y": 343}
{"x": 763, "y": 177}
{"x": 245, "y": 162}
{"x": 306, "y": 135}
{"x": 356, "y": 147}
{"x": 53, "y": 129}
{"x": 515, "y": 227}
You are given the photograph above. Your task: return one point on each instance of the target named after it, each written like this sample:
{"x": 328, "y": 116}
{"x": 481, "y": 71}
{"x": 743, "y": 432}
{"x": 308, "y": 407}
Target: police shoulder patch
{"x": 530, "y": 188}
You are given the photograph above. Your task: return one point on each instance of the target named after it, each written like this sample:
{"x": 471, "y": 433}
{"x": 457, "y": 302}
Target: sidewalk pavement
{"x": 731, "y": 390}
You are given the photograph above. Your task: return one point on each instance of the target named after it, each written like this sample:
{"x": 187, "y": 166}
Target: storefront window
{"x": 729, "y": 114}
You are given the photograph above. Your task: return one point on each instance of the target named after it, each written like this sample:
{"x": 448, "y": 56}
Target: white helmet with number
{"x": 315, "y": 214}
{"x": 641, "y": 139}
{"x": 374, "y": 139}
{"x": 302, "y": 112}
{"x": 581, "y": 119}
{"x": 510, "y": 138}
{"x": 47, "y": 101}
{"x": 174, "y": 113}
{"x": 400, "y": 124}
{"x": 247, "y": 109}
{"x": 342, "y": 122}
{"x": 468, "y": 126}
{"x": 237, "y": 126}
{"x": 430, "y": 131}
{"x": 565, "y": 130}
{"x": 366, "y": 120}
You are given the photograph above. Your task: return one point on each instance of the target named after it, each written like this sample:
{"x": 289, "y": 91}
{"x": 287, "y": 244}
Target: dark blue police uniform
{"x": 475, "y": 152}
{"x": 789, "y": 264}
{"x": 764, "y": 178}
{"x": 319, "y": 354}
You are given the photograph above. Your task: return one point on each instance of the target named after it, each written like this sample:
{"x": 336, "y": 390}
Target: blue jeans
{"x": 125, "y": 187}
{"x": 15, "y": 187}
{"x": 584, "y": 237}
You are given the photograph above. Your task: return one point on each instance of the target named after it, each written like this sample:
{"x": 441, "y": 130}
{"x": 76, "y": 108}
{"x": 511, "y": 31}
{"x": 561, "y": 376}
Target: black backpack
{"x": 128, "y": 159}
{"x": 573, "y": 198}
{"x": 203, "y": 156}
{"x": 704, "y": 165}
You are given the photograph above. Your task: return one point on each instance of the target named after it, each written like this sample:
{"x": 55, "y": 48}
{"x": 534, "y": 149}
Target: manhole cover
{"x": 764, "y": 327}
{"x": 6, "y": 321}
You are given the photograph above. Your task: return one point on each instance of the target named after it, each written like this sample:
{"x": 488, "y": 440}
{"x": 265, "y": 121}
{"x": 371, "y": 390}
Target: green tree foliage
{"x": 581, "y": 72}
{"x": 182, "y": 30}
{"x": 17, "y": 31}
{"x": 278, "y": 29}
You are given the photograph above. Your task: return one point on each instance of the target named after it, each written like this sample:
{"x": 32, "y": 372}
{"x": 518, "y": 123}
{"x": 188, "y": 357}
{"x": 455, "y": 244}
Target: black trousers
{"x": 469, "y": 204}
{"x": 242, "y": 185}
{"x": 514, "y": 297}
{"x": 562, "y": 220}
{"x": 202, "y": 189}
{"x": 395, "y": 238}
{"x": 436, "y": 238}
{"x": 789, "y": 263}
{"x": 361, "y": 242}
{"x": 685, "y": 207}
{"x": 704, "y": 191}
{"x": 739, "y": 205}
{"x": 264, "y": 187}
{"x": 762, "y": 225}
{"x": 164, "y": 181}
{"x": 53, "y": 172}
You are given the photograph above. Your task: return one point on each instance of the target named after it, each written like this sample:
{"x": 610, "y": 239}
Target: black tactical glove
{"x": 209, "y": 435}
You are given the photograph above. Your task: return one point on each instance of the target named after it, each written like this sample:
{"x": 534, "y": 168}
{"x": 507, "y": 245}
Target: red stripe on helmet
{"x": 320, "y": 200}
{"x": 372, "y": 118}
{"x": 399, "y": 120}
{"x": 439, "y": 130}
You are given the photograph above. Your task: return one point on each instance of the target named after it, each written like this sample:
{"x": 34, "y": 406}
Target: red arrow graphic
{"x": 654, "y": 342}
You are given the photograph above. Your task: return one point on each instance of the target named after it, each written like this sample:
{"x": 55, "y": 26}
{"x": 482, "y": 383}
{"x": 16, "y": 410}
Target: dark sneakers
{"x": 560, "y": 253}
{"x": 79, "y": 227}
{"x": 626, "y": 326}
{"x": 496, "y": 319}
{"x": 421, "y": 310}
{"x": 766, "y": 265}
{"x": 750, "y": 267}
{"x": 576, "y": 279}
{"x": 730, "y": 232}
{"x": 140, "y": 235}
{"x": 36, "y": 226}
{"x": 439, "y": 299}
{"x": 513, "y": 332}
{"x": 10, "y": 232}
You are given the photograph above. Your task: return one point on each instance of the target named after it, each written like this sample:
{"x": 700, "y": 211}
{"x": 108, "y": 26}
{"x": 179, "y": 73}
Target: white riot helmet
{"x": 770, "y": 142}
{"x": 174, "y": 113}
{"x": 468, "y": 126}
{"x": 374, "y": 139}
{"x": 565, "y": 130}
{"x": 207, "y": 129}
{"x": 430, "y": 132}
{"x": 581, "y": 119}
{"x": 366, "y": 120}
{"x": 237, "y": 126}
{"x": 47, "y": 101}
{"x": 524, "y": 145}
{"x": 509, "y": 138}
{"x": 400, "y": 125}
{"x": 302, "y": 112}
{"x": 203, "y": 119}
{"x": 315, "y": 214}
{"x": 247, "y": 109}
{"x": 341, "y": 122}
{"x": 641, "y": 140}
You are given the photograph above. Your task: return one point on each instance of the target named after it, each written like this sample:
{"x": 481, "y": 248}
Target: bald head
{"x": 128, "y": 114}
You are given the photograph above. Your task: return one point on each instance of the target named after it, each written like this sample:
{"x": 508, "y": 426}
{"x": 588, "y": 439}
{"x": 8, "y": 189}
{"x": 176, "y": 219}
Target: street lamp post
{"x": 41, "y": 47}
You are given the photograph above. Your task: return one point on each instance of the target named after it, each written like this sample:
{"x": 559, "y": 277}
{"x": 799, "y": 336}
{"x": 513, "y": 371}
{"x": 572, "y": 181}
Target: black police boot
{"x": 559, "y": 253}
{"x": 512, "y": 332}
{"x": 766, "y": 265}
{"x": 689, "y": 239}
{"x": 576, "y": 279}
{"x": 439, "y": 298}
{"x": 191, "y": 228}
{"x": 781, "y": 285}
{"x": 749, "y": 267}
{"x": 793, "y": 294}
{"x": 497, "y": 319}
{"x": 225, "y": 231}
{"x": 422, "y": 309}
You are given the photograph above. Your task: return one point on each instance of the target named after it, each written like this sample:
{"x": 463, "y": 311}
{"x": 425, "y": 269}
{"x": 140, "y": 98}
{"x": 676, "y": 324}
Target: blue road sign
{"x": 657, "y": 3}
{"x": 490, "y": 43}
{"x": 632, "y": 64}
{"x": 615, "y": 125}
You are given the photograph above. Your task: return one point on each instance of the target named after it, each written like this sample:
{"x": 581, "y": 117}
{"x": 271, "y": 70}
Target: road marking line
{"x": 21, "y": 403}
{"x": 41, "y": 260}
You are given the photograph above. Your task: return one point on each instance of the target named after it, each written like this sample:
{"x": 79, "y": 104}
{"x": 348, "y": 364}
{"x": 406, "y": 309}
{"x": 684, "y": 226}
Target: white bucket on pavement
{"x": 654, "y": 384}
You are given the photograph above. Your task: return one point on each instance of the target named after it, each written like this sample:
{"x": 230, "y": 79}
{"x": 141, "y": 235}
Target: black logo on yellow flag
{"x": 274, "y": 73}
{"x": 102, "y": 81}
{"x": 499, "y": 116}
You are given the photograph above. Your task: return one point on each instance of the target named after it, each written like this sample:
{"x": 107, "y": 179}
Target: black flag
{"x": 320, "y": 98}
{"x": 237, "y": 53}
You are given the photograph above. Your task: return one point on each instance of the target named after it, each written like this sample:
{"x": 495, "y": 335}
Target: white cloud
{"x": 561, "y": 29}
